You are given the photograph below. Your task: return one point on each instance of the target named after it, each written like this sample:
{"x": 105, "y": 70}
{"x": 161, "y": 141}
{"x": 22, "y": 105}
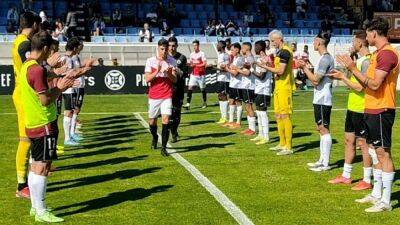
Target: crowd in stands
{"x": 166, "y": 17}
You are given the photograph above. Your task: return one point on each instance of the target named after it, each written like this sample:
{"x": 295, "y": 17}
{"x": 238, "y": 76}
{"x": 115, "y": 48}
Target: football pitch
{"x": 114, "y": 177}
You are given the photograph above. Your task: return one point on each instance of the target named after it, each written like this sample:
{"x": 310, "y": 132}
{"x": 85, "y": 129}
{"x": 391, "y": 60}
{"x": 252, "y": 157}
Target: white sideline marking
{"x": 229, "y": 206}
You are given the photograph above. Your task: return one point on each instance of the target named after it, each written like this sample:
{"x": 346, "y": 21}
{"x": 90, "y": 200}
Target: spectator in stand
{"x": 12, "y": 16}
{"x": 248, "y": 18}
{"x": 145, "y": 34}
{"x": 152, "y": 18}
{"x": 60, "y": 31}
{"x": 165, "y": 29}
{"x": 160, "y": 10}
{"x": 326, "y": 25}
{"x": 27, "y": 5}
{"x": 387, "y": 5}
{"x": 71, "y": 22}
{"x": 301, "y": 8}
{"x": 211, "y": 29}
{"x": 232, "y": 29}
{"x": 172, "y": 15}
{"x": 220, "y": 29}
{"x": 324, "y": 11}
{"x": 100, "y": 61}
{"x": 117, "y": 17}
{"x": 43, "y": 15}
{"x": 98, "y": 27}
{"x": 114, "y": 62}
{"x": 10, "y": 29}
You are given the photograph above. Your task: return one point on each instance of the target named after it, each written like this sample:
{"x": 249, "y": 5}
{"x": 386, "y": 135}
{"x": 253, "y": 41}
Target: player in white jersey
{"x": 79, "y": 89}
{"x": 70, "y": 95}
{"x": 235, "y": 94}
{"x": 263, "y": 90}
{"x": 322, "y": 98}
{"x": 247, "y": 86}
{"x": 223, "y": 78}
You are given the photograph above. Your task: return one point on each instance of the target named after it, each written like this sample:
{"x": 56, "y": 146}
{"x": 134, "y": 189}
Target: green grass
{"x": 115, "y": 179}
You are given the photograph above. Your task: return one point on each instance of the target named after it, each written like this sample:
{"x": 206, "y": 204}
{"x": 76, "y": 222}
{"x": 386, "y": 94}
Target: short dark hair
{"x": 228, "y": 40}
{"x": 27, "y": 19}
{"x": 173, "y": 39}
{"x": 163, "y": 42}
{"x": 325, "y": 36}
{"x": 380, "y": 25}
{"x": 72, "y": 43}
{"x": 362, "y": 35}
{"x": 222, "y": 43}
{"x": 196, "y": 42}
{"x": 237, "y": 45}
{"x": 247, "y": 44}
{"x": 41, "y": 40}
{"x": 260, "y": 45}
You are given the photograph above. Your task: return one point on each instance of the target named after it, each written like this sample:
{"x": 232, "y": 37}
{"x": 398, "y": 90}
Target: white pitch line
{"x": 225, "y": 202}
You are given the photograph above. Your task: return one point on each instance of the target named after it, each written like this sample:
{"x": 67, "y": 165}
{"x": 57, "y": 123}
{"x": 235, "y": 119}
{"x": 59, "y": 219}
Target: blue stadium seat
{"x": 197, "y": 31}
{"x": 312, "y": 16}
{"x": 208, "y": 8}
{"x": 346, "y": 31}
{"x": 195, "y": 23}
{"x": 337, "y": 31}
{"x": 156, "y": 31}
{"x": 223, "y": 15}
{"x": 304, "y": 31}
{"x": 229, "y": 8}
{"x": 97, "y": 39}
{"x": 132, "y": 30}
{"x": 314, "y": 31}
{"x": 211, "y": 15}
{"x": 192, "y": 15}
{"x": 3, "y": 30}
{"x": 317, "y": 23}
{"x": 263, "y": 31}
{"x": 188, "y": 7}
{"x": 294, "y": 31}
{"x": 179, "y": 7}
{"x": 185, "y": 23}
{"x": 279, "y": 23}
{"x": 285, "y": 31}
{"x": 198, "y": 7}
{"x": 110, "y": 39}
{"x": 202, "y": 15}
{"x": 233, "y": 15}
{"x": 178, "y": 31}
{"x": 188, "y": 31}
{"x": 283, "y": 16}
{"x": 299, "y": 23}
{"x": 109, "y": 30}
{"x": 309, "y": 24}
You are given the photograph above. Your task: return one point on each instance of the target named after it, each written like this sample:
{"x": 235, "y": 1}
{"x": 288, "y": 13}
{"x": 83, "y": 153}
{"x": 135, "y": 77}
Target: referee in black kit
{"x": 179, "y": 87}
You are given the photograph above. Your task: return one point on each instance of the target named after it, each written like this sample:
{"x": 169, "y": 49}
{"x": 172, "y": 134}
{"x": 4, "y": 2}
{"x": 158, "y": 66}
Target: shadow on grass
{"x": 339, "y": 163}
{"x": 122, "y": 175}
{"x": 115, "y": 121}
{"x": 109, "y": 137}
{"x": 113, "y": 161}
{"x": 104, "y": 128}
{"x": 211, "y": 135}
{"x": 193, "y": 148}
{"x": 310, "y": 145}
{"x": 104, "y": 151}
{"x": 199, "y": 122}
{"x": 112, "y": 142}
{"x": 113, "y": 199}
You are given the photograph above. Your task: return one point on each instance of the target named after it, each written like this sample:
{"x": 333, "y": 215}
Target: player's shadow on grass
{"x": 122, "y": 175}
{"x": 108, "y": 122}
{"x": 103, "y": 151}
{"x": 91, "y": 133}
{"x": 199, "y": 122}
{"x": 211, "y": 135}
{"x": 309, "y": 145}
{"x": 104, "y": 128}
{"x": 116, "y": 117}
{"x": 193, "y": 148}
{"x": 339, "y": 163}
{"x": 113, "y": 142}
{"x": 106, "y": 136}
{"x": 113, "y": 199}
{"x": 295, "y": 135}
{"x": 106, "y": 162}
